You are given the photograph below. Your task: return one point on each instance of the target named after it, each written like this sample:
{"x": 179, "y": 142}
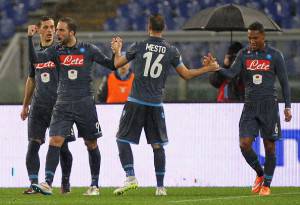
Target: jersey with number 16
{"x": 151, "y": 62}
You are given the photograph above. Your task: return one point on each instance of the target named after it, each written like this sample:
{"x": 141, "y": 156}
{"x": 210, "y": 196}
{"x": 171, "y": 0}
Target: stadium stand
{"x": 131, "y": 15}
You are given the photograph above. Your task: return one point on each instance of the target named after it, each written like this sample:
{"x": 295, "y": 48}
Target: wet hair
{"x": 72, "y": 25}
{"x": 44, "y": 18}
{"x": 256, "y": 26}
{"x": 157, "y": 22}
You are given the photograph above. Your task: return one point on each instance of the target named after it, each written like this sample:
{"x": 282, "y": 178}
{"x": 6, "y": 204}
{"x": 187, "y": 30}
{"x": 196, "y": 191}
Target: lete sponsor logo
{"x": 48, "y": 64}
{"x": 71, "y": 60}
{"x": 258, "y": 65}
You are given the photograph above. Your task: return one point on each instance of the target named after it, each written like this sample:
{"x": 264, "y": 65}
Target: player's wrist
{"x": 25, "y": 105}
{"x": 118, "y": 53}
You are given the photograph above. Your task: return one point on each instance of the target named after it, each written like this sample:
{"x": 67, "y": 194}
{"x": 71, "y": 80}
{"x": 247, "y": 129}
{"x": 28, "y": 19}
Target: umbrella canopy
{"x": 229, "y": 17}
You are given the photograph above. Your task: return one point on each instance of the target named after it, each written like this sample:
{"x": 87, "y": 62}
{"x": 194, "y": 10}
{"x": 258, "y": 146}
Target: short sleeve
{"x": 131, "y": 51}
{"x": 176, "y": 59}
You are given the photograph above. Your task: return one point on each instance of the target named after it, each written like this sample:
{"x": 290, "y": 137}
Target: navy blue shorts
{"x": 81, "y": 112}
{"x": 135, "y": 117}
{"x": 39, "y": 120}
{"x": 261, "y": 117}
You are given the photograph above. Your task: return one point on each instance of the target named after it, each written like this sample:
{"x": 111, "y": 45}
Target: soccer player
{"x": 75, "y": 102}
{"x": 41, "y": 87}
{"x": 152, "y": 60}
{"x": 260, "y": 64}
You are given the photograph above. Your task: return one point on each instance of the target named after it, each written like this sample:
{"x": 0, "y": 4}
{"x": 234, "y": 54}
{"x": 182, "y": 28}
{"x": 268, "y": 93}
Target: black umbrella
{"x": 229, "y": 17}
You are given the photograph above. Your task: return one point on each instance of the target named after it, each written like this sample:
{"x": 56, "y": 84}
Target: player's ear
{"x": 72, "y": 33}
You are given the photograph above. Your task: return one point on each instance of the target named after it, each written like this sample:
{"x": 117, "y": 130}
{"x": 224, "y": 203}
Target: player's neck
{"x": 262, "y": 47}
{"x": 72, "y": 42}
{"x": 46, "y": 43}
{"x": 155, "y": 34}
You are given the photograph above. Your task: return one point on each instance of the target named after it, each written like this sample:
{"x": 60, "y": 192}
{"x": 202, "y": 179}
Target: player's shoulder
{"x": 244, "y": 50}
{"x": 53, "y": 46}
{"x": 173, "y": 48}
{"x": 273, "y": 50}
{"x": 87, "y": 46}
{"x": 83, "y": 44}
{"x": 136, "y": 46}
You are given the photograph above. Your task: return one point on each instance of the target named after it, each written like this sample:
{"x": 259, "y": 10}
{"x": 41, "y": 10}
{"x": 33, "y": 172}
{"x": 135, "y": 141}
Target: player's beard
{"x": 64, "y": 41}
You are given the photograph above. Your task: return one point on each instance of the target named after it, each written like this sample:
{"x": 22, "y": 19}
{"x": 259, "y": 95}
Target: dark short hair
{"x": 256, "y": 26}
{"x": 157, "y": 22}
{"x": 44, "y": 18}
{"x": 72, "y": 25}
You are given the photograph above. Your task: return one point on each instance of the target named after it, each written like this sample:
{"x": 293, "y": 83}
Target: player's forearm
{"x": 286, "y": 92}
{"x": 281, "y": 73}
{"x": 234, "y": 69}
{"x": 227, "y": 73}
{"x": 29, "y": 88}
{"x": 112, "y": 63}
{"x": 192, "y": 73}
{"x": 102, "y": 59}
{"x": 117, "y": 59}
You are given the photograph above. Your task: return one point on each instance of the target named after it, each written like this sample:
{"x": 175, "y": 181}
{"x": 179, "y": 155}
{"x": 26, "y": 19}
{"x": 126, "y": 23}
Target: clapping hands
{"x": 116, "y": 45}
{"x": 210, "y": 62}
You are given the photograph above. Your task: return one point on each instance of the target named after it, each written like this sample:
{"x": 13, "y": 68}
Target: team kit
{"x": 58, "y": 91}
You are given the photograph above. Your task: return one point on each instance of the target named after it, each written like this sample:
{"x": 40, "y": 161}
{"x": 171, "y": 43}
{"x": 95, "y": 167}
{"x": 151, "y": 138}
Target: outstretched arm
{"x": 234, "y": 69}
{"x": 100, "y": 58}
{"x": 187, "y": 74}
{"x": 210, "y": 65}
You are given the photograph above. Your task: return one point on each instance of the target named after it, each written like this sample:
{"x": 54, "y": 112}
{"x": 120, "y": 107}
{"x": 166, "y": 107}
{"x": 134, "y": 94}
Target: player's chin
{"x": 253, "y": 47}
{"x": 49, "y": 38}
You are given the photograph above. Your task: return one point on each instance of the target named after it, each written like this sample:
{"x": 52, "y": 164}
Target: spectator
{"x": 116, "y": 86}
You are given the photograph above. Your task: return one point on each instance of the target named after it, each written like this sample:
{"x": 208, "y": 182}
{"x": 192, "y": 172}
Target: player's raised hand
{"x": 32, "y": 29}
{"x": 116, "y": 44}
{"x": 24, "y": 113}
{"x": 287, "y": 114}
